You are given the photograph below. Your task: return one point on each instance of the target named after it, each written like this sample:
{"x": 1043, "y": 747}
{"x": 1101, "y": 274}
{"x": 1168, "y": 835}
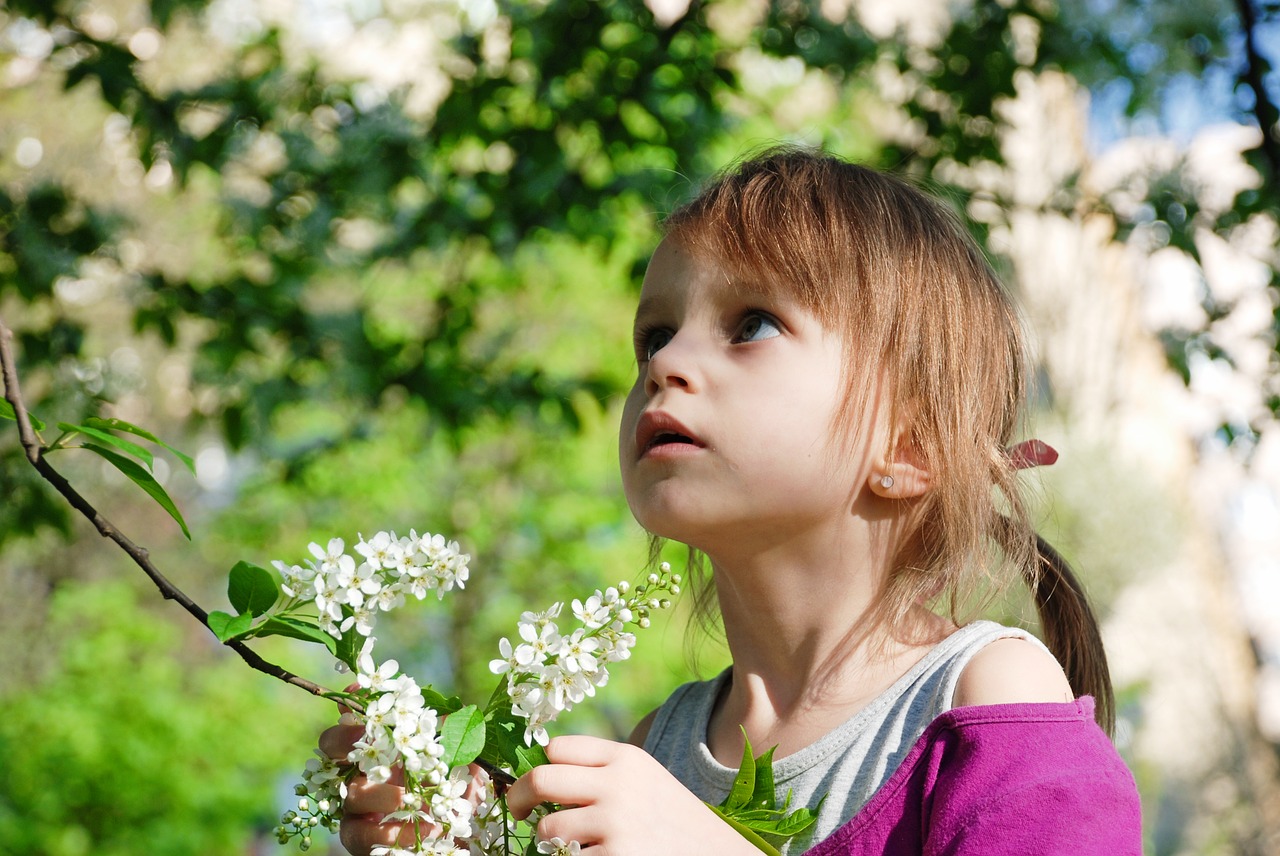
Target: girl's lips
{"x": 658, "y": 429}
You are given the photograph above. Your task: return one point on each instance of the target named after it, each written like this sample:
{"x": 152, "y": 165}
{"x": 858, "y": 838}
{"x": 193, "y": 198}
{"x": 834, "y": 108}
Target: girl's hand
{"x": 362, "y": 827}
{"x": 619, "y": 801}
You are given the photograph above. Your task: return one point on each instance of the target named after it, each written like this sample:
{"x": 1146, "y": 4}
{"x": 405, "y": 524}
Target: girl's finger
{"x": 342, "y": 708}
{"x": 338, "y": 740}
{"x": 360, "y": 833}
{"x": 363, "y": 797}
{"x": 553, "y": 783}
{"x": 583, "y": 825}
{"x": 584, "y": 751}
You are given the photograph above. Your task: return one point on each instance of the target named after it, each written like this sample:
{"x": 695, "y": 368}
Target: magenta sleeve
{"x": 1013, "y": 782}
{"x": 1024, "y": 779}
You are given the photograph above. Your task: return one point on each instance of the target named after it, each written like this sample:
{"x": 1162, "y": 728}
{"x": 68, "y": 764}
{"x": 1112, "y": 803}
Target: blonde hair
{"x": 922, "y": 313}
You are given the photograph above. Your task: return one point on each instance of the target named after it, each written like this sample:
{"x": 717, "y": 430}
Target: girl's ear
{"x": 902, "y": 472}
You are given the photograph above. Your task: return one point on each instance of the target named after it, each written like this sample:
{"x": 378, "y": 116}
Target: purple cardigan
{"x": 1023, "y": 779}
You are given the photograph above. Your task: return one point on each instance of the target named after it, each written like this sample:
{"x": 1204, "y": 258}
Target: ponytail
{"x": 1068, "y": 623}
{"x": 1071, "y": 630}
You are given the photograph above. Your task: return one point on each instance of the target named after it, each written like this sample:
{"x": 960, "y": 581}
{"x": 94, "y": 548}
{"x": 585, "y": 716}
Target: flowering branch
{"x": 455, "y": 760}
{"x": 140, "y": 555}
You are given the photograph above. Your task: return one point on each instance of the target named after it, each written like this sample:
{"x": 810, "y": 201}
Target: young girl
{"x": 829, "y": 375}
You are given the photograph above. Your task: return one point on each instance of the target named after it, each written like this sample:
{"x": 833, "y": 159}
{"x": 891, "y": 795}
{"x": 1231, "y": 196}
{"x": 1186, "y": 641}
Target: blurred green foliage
{"x": 117, "y": 747}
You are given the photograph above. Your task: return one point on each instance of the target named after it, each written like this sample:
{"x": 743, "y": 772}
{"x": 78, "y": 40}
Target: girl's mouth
{"x": 659, "y": 430}
{"x": 664, "y": 438}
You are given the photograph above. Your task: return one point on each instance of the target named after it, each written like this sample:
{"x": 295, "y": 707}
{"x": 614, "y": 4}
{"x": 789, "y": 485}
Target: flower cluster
{"x": 439, "y": 750}
{"x": 320, "y": 797}
{"x": 549, "y": 672}
{"x": 350, "y": 594}
{"x": 400, "y": 733}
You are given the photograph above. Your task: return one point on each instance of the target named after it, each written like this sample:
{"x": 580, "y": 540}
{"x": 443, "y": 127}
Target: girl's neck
{"x": 810, "y": 646}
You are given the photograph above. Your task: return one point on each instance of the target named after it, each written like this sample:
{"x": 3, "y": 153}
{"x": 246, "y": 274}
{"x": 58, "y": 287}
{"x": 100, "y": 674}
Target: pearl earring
{"x": 886, "y": 482}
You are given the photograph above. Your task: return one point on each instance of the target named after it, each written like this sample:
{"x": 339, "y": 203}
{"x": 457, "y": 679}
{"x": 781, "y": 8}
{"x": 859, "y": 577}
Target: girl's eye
{"x": 757, "y": 326}
{"x": 649, "y": 342}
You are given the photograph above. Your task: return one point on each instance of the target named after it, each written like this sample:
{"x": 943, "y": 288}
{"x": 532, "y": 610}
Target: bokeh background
{"x": 372, "y": 263}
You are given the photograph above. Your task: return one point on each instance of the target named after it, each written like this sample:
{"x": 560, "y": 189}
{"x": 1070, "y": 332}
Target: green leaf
{"x": 348, "y": 647}
{"x": 142, "y": 479}
{"x": 528, "y": 757}
{"x": 439, "y": 702}
{"x": 111, "y": 440}
{"x": 744, "y": 784}
{"x": 762, "y": 794}
{"x": 227, "y": 627}
{"x": 463, "y": 736}
{"x": 129, "y": 428}
{"x": 294, "y": 628}
{"x": 746, "y": 832}
{"x": 504, "y": 745}
{"x": 7, "y": 411}
{"x": 798, "y": 821}
{"x": 251, "y": 589}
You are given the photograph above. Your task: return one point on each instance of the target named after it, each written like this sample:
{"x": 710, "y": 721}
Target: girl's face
{"x": 726, "y": 437}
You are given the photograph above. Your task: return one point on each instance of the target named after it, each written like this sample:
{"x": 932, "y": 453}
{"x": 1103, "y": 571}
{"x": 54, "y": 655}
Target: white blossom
{"x": 545, "y": 672}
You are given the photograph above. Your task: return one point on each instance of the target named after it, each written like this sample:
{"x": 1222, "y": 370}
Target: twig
{"x": 140, "y": 555}
{"x": 1265, "y": 111}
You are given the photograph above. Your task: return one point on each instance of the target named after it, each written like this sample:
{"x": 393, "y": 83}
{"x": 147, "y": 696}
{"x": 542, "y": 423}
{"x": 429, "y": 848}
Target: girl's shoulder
{"x": 1007, "y": 778}
{"x": 1011, "y": 670}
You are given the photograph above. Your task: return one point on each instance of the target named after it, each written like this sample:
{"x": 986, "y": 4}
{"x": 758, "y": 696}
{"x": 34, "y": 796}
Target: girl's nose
{"x": 672, "y": 366}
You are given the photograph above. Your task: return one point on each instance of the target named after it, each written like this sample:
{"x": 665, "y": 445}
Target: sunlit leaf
{"x": 111, "y": 440}
{"x": 744, "y": 784}
{"x": 294, "y": 628}
{"x": 463, "y": 736}
{"x": 142, "y": 479}
{"x": 762, "y": 793}
{"x": 746, "y": 832}
{"x": 7, "y": 412}
{"x": 227, "y": 627}
{"x": 129, "y": 428}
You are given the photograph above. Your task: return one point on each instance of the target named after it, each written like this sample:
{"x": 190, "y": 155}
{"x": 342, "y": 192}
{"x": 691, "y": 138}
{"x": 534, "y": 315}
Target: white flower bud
{"x": 675, "y": 589}
{"x": 304, "y": 804}
{"x": 653, "y": 579}
{"x": 644, "y": 621}
{"x": 624, "y": 587}
{"x": 324, "y": 806}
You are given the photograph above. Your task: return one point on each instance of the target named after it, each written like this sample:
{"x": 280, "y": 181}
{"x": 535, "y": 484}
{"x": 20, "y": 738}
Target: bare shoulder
{"x": 641, "y": 731}
{"x": 1012, "y": 671}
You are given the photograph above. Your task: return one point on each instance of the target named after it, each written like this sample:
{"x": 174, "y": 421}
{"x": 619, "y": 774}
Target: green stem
{"x": 506, "y": 824}
{"x": 61, "y": 442}
{"x": 746, "y": 832}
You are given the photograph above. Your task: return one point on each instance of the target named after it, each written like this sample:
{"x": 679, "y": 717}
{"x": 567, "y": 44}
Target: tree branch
{"x": 35, "y": 454}
{"x": 1265, "y": 111}
{"x": 140, "y": 556}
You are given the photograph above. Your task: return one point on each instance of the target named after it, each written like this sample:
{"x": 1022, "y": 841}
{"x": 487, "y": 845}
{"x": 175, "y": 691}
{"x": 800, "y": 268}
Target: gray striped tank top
{"x": 848, "y": 764}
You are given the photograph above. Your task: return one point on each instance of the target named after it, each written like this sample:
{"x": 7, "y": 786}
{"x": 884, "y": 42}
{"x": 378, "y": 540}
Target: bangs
{"x": 776, "y": 225}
